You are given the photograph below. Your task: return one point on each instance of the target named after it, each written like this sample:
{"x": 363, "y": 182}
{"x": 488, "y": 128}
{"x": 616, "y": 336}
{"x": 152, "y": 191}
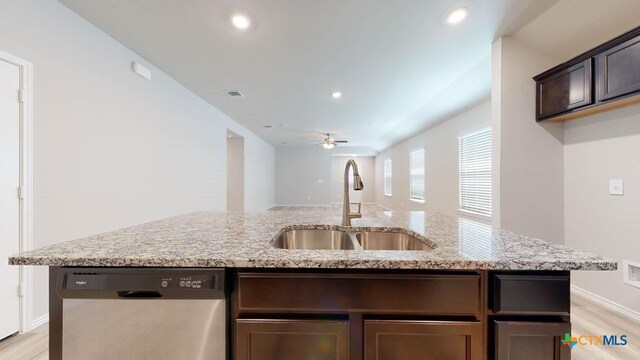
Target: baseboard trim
{"x": 623, "y": 310}
{"x": 39, "y": 321}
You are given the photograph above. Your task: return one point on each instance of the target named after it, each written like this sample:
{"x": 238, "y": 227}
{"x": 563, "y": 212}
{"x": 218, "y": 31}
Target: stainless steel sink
{"x": 391, "y": 241}
{"x": 313, "y": 240}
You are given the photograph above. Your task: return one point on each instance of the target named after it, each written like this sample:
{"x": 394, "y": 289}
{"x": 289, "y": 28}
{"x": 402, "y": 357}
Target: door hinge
{"x": 20, "y": 192}
{"x": 20, "y": 291}
{"x": 20, "y": 95}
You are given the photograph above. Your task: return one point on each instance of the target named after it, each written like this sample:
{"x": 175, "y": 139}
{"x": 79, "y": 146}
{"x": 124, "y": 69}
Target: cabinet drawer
{"x": 419, "y": 340}
{"x": 291, "y": 340}
{"x": 566, "y": 90}
{"x": 371, "y": 293}
{"x": 530, "y": 294}
{"x": 619, "y": 70}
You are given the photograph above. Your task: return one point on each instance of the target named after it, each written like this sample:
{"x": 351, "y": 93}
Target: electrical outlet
{"x": 631, "y": 273}
{"x": 616, "y": 187}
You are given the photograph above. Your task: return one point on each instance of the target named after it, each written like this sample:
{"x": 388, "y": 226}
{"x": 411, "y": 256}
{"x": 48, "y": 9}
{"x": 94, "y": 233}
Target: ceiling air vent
{"x": 234, "y": 94}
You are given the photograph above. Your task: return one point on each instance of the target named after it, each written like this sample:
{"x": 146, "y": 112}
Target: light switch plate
{"x": 616, "y": 187}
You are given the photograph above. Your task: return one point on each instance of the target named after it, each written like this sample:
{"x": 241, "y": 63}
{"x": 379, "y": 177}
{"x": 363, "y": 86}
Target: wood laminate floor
{"x": 587, "y": 318}
{"x": 33, "y": 345}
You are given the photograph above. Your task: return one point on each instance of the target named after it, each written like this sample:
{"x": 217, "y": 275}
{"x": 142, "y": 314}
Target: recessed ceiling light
{"x": 284, "y": 125}
{"x": 240, "y": 21}
{"x": 336, "y": 94}
{"x": 457, "y": 15}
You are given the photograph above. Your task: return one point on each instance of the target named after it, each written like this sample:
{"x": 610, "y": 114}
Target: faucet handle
{"x": 357, "y": 213}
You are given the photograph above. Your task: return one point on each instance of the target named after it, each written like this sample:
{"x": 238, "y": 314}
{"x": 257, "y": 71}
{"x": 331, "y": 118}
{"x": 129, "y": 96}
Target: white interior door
{"x": 9, "y": 202}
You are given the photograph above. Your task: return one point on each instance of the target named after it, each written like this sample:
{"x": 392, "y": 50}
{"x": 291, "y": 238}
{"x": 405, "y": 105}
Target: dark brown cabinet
{"x": 444, "y": 294}
{"x": 515, "y": 340}
{"x": 291, "y": 340}
{"x": 398, "y": 314}
{"x": 602, "y": 78}
{"x": 619, "y": 70}
{"x": 530, "y": 294}
{"x": 422, "y": 340}
{"x": 566, "y": 90}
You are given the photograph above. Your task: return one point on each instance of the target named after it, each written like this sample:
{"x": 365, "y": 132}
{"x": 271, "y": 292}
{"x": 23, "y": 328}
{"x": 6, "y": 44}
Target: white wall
{"x": 530, "y": 154}
{"x": 366, "y": 167}
{"x": 303, "y": 176}
{"x": 112, "y": 149}
{"x": 441, "y": 157}
{"x": 304, "y": 173}
{"x": 235, "y": 172}
{"x": 598, "y": 148}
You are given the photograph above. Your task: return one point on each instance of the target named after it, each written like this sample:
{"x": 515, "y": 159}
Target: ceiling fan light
{"x": 327, "y": 145}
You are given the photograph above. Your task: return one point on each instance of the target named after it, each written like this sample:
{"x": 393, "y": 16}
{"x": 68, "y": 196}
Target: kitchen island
{"x": 477, "y": 293}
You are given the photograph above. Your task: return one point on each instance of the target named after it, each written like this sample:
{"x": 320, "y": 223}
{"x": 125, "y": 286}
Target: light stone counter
{"x": 221, "y": 239}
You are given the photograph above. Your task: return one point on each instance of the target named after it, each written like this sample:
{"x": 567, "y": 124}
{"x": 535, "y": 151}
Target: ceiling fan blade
{"x": 341, "y": 141}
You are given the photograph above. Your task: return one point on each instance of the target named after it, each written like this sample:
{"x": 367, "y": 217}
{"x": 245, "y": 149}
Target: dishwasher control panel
{"x": 84, "y": 281}
{"x": 169, "y": 283}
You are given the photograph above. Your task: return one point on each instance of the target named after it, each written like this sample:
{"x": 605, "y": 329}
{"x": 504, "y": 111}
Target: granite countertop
{"x": 237, "y": 239}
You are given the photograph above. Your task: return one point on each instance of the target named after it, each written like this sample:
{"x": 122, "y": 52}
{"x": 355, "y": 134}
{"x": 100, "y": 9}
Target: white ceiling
{"x": 400, "y": 66}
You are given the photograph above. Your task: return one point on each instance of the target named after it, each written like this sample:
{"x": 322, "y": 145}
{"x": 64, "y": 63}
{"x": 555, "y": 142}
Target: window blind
{"x": 475, "y": 172}
{"x": 387, "y": 177}
{"x": 416, "y": 175}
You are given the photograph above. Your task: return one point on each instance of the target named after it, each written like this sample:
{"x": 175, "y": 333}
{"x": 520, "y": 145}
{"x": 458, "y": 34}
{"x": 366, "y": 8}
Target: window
{"x": 387, "y": 177}
{"x": 475, "y": 173}
{"x": 416, "y": 175}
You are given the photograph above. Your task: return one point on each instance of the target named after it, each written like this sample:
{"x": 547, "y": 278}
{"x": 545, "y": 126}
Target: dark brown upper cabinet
{"x": 566, "y": 90}
{"x": 619, "y": 70}
{"x": 605, "y": 77}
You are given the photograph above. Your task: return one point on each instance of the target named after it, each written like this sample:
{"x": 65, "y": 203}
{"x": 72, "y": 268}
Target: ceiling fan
{"x": 329, "y": 142}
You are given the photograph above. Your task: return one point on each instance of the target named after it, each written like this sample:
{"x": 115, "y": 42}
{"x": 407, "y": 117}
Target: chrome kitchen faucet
{"x": 347, "y": 215}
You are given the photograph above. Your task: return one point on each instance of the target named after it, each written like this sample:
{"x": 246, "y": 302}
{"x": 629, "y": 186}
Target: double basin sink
{"x": 325, "y": 239}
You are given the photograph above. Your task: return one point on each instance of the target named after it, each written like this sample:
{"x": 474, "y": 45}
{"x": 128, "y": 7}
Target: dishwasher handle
{"x": 133, "y": 294}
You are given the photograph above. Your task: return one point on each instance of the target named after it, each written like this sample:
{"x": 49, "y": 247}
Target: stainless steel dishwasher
{"x": 134, "y": 313}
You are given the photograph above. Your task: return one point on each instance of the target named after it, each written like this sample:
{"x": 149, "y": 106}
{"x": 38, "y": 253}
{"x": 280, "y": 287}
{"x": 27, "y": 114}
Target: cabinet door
{"x": 619, "y": 70}
{"x": 291, "y": 340}
{"x": 566, "y": 90}
{"x": 422, "y": 340}
{"x": 531, "y": 341}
